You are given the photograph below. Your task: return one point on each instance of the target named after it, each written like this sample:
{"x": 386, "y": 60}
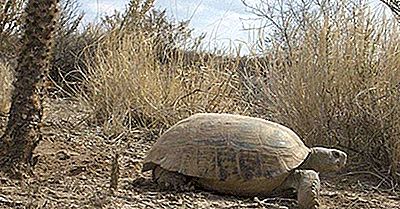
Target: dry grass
{"x": 335, "y": 80}
{"x": 330, "y": 72}
{"x": 128, "y": 85}
{"x": 333, "y": 77}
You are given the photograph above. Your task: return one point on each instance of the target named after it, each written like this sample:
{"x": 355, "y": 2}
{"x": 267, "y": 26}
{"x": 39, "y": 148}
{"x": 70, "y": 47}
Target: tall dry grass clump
{"x": 134, "y": 79}
{"x": 334, "y": 77}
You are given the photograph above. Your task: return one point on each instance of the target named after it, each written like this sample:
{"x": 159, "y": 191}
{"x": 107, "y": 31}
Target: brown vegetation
{"x": 329, "y": 71}
{"x": 334, "y": 78}
{"x": 5, "y": 86}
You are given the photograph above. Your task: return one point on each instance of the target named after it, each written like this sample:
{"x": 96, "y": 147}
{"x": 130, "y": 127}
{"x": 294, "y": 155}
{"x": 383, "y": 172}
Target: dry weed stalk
{"x": 114, "y": 173}
{"x": 5, "y": 86}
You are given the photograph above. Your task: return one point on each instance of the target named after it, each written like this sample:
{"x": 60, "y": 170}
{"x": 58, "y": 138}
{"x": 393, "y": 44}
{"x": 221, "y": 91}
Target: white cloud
{"x": 99, "y": 8}
{"x": 221, "y": 20}
{"x": 103, "y": 7}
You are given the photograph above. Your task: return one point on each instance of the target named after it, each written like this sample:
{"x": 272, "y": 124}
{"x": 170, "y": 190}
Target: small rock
{"x": 330, "y": 194}
{"x": 62, "y": 155}
{"x": 76, "y": 170}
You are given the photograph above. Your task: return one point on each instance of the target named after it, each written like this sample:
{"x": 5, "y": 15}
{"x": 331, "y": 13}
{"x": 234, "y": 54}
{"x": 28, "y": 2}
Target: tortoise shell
{"x": 225, "y": 150}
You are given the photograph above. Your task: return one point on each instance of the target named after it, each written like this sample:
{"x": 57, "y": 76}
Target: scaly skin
{"x": 168, "y": 180}
{"x": 308, "y": 188}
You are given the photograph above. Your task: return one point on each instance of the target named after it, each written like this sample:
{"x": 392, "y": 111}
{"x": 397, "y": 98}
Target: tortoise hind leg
{"x": 307, "y": 184}
{"x": 169, "y": 180}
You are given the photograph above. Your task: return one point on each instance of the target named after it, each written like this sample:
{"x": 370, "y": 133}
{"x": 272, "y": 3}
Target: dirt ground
{"x": 76, "y": 159}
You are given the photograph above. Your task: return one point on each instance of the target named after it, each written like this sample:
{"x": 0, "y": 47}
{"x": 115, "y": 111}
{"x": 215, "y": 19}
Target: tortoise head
{"x": 323, "y": 159}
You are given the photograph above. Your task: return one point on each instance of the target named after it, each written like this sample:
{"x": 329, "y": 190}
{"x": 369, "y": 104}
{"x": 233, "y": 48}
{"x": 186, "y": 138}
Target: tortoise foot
{"x": 169, "y": 180}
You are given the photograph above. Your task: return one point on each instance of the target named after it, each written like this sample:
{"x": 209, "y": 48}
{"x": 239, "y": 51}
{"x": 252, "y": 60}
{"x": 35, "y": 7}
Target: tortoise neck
{"x": 312, "y": 162}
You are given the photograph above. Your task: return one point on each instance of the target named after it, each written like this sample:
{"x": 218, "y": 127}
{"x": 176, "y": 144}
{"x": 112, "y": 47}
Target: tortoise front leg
{"x": 169, "y": 180}
{"x": 308, "y": 188}
{"x": 307, "y": 184}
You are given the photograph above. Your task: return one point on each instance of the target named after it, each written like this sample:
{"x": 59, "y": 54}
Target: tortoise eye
{"x": 336, "y": 154}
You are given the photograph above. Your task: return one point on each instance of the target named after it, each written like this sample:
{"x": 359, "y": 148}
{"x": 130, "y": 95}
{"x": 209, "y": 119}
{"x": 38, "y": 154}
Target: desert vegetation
{"x": 328, "y": 70}
{"x": 334, "y": 78}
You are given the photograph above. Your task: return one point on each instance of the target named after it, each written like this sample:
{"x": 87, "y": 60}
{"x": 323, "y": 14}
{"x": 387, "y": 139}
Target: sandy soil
{"x": 76, "y": 159}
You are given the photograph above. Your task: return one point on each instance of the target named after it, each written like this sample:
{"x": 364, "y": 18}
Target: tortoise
{"x": 240, "y": 155}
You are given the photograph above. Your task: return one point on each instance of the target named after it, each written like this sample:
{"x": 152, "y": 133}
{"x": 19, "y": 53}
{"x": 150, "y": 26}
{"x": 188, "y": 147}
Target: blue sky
{"x": 222, "y": 20}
